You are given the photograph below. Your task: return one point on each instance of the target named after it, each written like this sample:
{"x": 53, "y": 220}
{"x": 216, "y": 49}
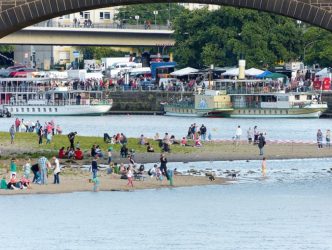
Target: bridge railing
{"x": 113, "y": 25}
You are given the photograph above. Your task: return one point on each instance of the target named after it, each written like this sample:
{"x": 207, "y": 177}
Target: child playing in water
{"x": 96, "y": 183}
{"x": 264, "y": 167}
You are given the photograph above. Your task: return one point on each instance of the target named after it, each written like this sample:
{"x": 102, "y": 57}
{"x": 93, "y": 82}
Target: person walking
{"x": 12, "y": 134}
{"x": 17, "y": 124}
{"x": 328, "y": 138}
{"x": 163, "y": 162}
{"x": 319, "y": 139}
{"x": 56, "y": 171}
{"x": 261, "y": 143}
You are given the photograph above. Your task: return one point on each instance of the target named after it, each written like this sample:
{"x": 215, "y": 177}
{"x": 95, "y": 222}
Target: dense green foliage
{"x": 166, "y": 11}
{"x": 91, "y": 52}
{"x": 221, "y": 37}
{"x": 317, "y": 46}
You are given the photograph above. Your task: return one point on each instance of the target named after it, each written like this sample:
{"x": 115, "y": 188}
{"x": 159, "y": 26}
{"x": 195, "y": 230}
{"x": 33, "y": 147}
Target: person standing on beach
{"x": 328, "y": 138}
{"x": 202, "y": 130}
{"x": 27, "y": 168}
{"x": 17, "y": 124}
{"x": 163, "y": 162}
{"x": 261, "y": 143}
{"x": 256, "y": 135}
{"x": 130, "y": 176}
{"x": 170, "y": 175}
{"x": 94, "y": 167}
{"x": 264, "y": 167}
{"x": 56, "y": 171}
{"x": 13, "y": 167}
{"x": 238, "y": 134}
{"x": 249, "y": 135}
{"x": 319, "y": 139}
{"x": 40, "y": 135}
{"x": 43, "y": 165}
{"x": 71, "y": 137}
{"x": 12, "y": 134}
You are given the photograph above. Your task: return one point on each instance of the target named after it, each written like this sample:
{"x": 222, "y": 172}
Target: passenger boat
{"x": 23, "y": 96}
{"x": 251, "y": 99}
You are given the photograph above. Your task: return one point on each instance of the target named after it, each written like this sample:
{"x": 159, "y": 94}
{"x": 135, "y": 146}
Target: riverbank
{"x": 79, "y": 182}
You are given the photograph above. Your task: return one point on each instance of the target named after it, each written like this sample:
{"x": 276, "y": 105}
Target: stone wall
{"x": 143, "y": 101}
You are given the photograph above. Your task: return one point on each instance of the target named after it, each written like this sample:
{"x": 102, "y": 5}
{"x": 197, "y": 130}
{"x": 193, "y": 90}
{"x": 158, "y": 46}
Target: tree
{"x": 223, "y": 36}
{"x": 166, "y": 11}
{"x": 6, "y": 55}
{"x": 317, "y": 47}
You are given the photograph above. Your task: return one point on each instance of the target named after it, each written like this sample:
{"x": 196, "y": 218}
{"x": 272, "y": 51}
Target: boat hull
{"x": 248, "y": 113}
{"x": 65, "y": 110}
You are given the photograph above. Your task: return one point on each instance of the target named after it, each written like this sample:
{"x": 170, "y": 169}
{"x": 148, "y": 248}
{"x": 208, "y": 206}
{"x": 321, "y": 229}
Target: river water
{"x": 289, "y": 209}
{"x": 134, "y": 126}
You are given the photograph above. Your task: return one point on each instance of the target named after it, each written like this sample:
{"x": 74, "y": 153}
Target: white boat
{"x": 38, "y": 97}
{"x": 250, "y": 99}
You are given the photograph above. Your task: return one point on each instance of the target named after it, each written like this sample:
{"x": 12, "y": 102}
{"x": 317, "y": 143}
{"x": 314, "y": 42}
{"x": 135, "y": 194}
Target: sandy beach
{"x": 74, "y": 180}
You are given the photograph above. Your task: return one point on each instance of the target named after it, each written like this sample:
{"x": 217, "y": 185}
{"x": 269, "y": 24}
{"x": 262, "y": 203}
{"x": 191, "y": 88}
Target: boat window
{"x": 282, "y": 98}
{"x": 44, "y": 109}
{"x": 297, "y": 97}
{"x": 22, "y": 109}
{"x": 28, "y": 110}
{"x": 56, "y": 109}
{"x": 11, "y": 110}
{"x": 38, "y": 109}
{"x": 50, "y": 109}
{"x": 16, "y": 109}
{"x": 280, "y": 111}
{"x": 33, "y": 109}
{"x": 309, "y": 97}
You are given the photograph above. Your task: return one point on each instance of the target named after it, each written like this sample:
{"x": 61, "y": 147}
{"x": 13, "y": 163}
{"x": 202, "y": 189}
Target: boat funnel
{"x": 242, "y": 68}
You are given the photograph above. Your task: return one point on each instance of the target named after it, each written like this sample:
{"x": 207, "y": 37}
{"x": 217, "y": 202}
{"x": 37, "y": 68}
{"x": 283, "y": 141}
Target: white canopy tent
{"x": 184, "y": 72}
{"x": 254, "y": 72}
{"x": 248, "y": 72}
{"x": 323, "y": 72}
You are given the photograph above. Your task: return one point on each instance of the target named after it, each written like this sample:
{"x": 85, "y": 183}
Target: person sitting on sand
{"x": 142, "y": 141}
{"x": 159, "y": 174}
{"x": 172, "y": 140}
{"x": 123, "y": 169}
{"x": 152, "y": 171}
{"x": 99, "y": 152}
{"x": 149, "y": 148}
{"x": 198, "y": 142}
{"x": 58, "y": 130}
{"x": 25, "y": 182}
{"x": 13, "y": 183}
{"x": 3, "y": 184}
{"x": 184, "y": 142}
{"x": 71, "y": 153}
{"x": 62, "y": 153}
{"x": 78, "y": 154}
{"x": 131, "y": 160}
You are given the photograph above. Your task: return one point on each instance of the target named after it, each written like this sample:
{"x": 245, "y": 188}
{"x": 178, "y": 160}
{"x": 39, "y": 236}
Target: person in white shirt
{"x": 56, "y": 170}
{"x": 238, "y": 135}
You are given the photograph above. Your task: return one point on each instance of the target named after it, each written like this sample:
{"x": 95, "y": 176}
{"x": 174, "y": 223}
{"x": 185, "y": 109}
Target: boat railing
{"x": 24, "y": 89}
{"x": 82, "y": 102}
{"x": 182, "y": 105}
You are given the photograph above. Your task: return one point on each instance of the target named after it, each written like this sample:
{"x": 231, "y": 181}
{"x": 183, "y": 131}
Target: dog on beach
{"x": 211, "y": 178}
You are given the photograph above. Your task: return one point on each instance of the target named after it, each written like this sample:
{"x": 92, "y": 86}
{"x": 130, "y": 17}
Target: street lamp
{"x": 137, "y": 18}
{"x": 155, "y": 13}
{"x": 305, "y": 47}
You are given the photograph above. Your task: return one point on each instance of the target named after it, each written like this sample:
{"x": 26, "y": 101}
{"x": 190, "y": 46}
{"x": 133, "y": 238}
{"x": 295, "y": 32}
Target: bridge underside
{"x": 17, "y": 14}
{"x": 89, "y": 37}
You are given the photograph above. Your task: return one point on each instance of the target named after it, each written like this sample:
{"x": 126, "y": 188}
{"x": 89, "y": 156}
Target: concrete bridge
{"x": 89, "y": 36}
{"x": 18, "y": 14}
